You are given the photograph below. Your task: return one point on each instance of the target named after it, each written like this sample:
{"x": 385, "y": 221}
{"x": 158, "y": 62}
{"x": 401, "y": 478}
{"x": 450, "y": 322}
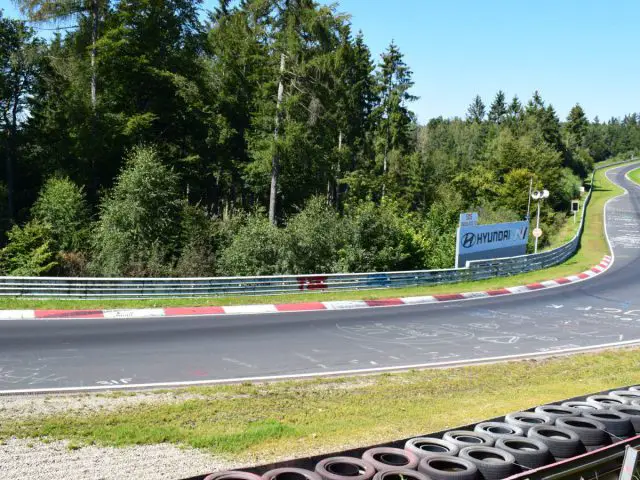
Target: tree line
{"x": 145, "y": 138}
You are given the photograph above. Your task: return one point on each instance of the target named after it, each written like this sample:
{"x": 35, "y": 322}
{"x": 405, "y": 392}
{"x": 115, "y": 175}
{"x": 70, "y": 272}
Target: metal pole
{"x": 537, "y": 226}
{"x": 529, "y": 204}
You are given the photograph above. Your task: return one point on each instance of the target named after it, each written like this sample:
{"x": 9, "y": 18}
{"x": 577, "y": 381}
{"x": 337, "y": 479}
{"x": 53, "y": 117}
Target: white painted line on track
{"x": 360, "y": 371}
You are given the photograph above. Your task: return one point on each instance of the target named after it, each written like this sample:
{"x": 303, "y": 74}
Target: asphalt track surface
{"x": 123, "y": 352}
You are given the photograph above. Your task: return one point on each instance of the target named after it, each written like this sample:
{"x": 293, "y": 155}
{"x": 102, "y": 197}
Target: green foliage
{"x": 379, "y": 238}
{"x": 62, "y": 205}
{"x": 139, "y": 222}
{"x": 28, "y": 251}
{"x": 359, "y": 185}
{"x": 256, "y": 249}
{"x": 313, "y": 238}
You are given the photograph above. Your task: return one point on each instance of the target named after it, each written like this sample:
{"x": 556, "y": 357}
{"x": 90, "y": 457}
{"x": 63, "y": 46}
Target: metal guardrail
{"x": 65, "y": 287}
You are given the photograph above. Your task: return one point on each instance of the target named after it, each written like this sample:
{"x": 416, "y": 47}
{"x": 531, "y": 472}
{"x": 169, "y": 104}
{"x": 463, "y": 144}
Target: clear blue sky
{"x": 570, "y": 50}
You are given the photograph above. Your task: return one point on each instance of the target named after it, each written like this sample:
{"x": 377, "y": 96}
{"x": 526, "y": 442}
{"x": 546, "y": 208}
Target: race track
{"x": 114, "y": 352}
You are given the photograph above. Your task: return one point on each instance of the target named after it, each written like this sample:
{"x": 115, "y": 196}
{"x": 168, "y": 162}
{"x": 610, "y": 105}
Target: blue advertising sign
{"x": 483, "y": 242}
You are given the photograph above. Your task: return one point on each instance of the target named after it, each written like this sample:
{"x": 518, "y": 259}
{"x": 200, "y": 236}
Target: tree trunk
{"x": 337, "y": 195}
{"x": 9, "y": 174}
{"x": 94, "y": 38}
{"x": 275, "y": 158}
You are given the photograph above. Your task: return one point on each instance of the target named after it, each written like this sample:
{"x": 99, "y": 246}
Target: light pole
{"x": 539, "y": 196}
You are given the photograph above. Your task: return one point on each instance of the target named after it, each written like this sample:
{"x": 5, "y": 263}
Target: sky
{"x": 571, "y": 51}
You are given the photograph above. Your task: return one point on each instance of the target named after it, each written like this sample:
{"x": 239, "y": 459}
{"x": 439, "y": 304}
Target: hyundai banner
{"x": 483, "y": 242}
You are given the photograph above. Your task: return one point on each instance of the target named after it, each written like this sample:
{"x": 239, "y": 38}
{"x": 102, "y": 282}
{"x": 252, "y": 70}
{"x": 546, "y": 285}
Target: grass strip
{"x": 593, "y": 248}
{"x": 635, "y": 175}
{"x": 262, "y": 422}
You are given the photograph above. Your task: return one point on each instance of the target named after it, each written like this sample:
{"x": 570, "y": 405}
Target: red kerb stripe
{"x": 535, "y": 286}
{"x": 177, "y": 311}
{"x": 501, "y": 291}
{"x": 449, "y": 297}
{"x": 384, "y": 302}
{"x": 562, "y": 281}
{"x": 300, "y": 307}
{"x": 69, "y": 314}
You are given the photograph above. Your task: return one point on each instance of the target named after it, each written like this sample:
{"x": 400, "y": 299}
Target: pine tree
{"x": 476, "y": 111}
{"x": 577, "y": 124}
{"x": 498, "y": 110}
{"x": 60, "y": 11}
{"x": 18, "y": 71}
{"x": 515, "y": 108}
{"x": 393, "y": 115}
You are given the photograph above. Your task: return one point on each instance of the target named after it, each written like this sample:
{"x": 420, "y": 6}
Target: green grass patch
{"x": 260, "y": 422}
{"x": 635, "y": 175}
{"x": 593, "y": 248}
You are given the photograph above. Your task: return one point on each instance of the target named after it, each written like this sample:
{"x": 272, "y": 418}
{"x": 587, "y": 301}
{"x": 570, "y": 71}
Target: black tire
{"x": 343, "y": 468}
{"x": 290, "y": 474}
{"x": 526, "y": 420}
{"x": 582, "y": 406}
{"x": 232, "y": 475}
{"x": 562, "y": 442}
{"x": 492, "y": 463}
{"x": 606, "y": 401}
{"x": 616, "y": 423}
{"x": 628, "y": 394}
{"x": 498, "y": 429}
{"x": 557, "y": 411}
{"x": 385, "y": 458}
{"x": 634, "y": 414}
{"x": 446, "y": 467}
{"x": 424, "y": 447}
{"x": 400, "y": 474}
{"x": 592, "y": 432}
{"x": 467, "y": 438}
{"x": 528, "y": 452}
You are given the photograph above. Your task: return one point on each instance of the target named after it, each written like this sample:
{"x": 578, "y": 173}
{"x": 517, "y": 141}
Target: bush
{"x": 62, "y": 205}
{"x": 312, "y": 239}
{"x": 379, "y": 238}
{"x": 28, "y": 252}
{"x": 139, "y": 226}
{"x": 197, "y": 253}
{"x": 256, "y": 249}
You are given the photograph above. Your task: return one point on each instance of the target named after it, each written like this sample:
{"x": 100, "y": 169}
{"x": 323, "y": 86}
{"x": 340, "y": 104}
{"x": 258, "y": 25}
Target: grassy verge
{"x": 260, "y": 422}
{"x": 635, "y": 175}
{"x": 593, "y": 248}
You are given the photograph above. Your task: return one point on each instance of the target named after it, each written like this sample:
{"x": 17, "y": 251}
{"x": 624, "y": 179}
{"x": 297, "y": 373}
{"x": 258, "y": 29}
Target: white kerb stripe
{"x": 418, "y": 300}
{"x": 345, "y": 305}
{"x": 475, "y": 294}
{"x": 518, "y": 289}
{"x": 590, "y": 273}
{"x": 549, "y": 283}
{"x": 17, "y": 314}
{"x": 574, "y": 278}
{"x": 134, "y": 313}
{"x": 250, "y": 309}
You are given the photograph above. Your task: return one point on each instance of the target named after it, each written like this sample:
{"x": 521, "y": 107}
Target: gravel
{"x": 32, "y": 406}
{"x": 20, "y": 459}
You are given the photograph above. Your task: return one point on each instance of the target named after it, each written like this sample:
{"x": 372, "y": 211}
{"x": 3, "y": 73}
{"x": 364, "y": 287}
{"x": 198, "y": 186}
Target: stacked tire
{"x": 492, "y": 451}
